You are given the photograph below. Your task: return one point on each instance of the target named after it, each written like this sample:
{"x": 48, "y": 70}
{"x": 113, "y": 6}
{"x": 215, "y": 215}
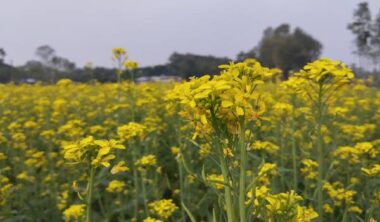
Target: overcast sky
{"x": 150, "y": 30}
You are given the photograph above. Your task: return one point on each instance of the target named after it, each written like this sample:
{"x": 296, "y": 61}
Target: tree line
{"x": 281, "y": 47}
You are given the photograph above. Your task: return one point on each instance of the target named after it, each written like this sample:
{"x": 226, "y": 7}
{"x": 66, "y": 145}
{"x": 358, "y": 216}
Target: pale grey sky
{"x": 150, "y": 30}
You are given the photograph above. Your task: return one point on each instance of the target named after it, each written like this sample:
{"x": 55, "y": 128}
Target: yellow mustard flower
{"x": 75, "y": 211}
{"x": 163, "y": 208}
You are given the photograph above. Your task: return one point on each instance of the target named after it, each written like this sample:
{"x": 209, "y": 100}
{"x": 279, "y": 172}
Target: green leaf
{"x": 188, "y": 212}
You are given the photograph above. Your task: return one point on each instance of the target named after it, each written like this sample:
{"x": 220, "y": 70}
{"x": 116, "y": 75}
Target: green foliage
{"x": 2, "y": 55}
{"x": 282, "y": 48}
{"x": 361, "y": 28}
{"x": 367, "y": 34}
{"x": 187, "y": 65}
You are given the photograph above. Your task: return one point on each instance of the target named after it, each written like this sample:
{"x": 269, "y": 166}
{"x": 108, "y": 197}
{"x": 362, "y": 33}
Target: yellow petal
{"x": 103, "y": 151}
{"x": 226, "y": 103}
{"x": 203, "y": 119}
{"x": 239, "y": 111}
{"x": 192, "y": 104}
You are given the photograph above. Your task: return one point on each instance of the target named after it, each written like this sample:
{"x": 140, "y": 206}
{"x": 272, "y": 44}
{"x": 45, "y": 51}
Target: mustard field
{"x": 241, "y": 145}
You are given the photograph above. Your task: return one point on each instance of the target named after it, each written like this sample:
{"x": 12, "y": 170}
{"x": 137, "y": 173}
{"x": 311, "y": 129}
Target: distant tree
{"x": 282, "y": 48}
{"x": 2, "y": 55}
{"x": 105, "y": 74}
{"x": 5, "y": 70}
{"x": 187, "y": 65}
{"x": 375, "y": 40}
{"x": 305, "y": 48}
{"x": 281, "y": 30}
{"x": 46, "y": 54}
{"x": 245, "y": 55}
{"x": 35, "y": 70}
{"x": 62, "y": 64}
{"x": 53, "y": 65}
{"x": 361, "y": 28}
{"x": 155, "y": 70}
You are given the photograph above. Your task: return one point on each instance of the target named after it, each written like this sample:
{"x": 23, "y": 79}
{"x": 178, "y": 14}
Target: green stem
{"x": 181, "y": 187}
{"x": 121, "y": 214}
{"x": 253, "y": 197}
{"x": 136, "y": 184}
{"x": 344, "y": 218}
{"x": 282, "y": 151}
{"x": 89, "y": 194}
{"x": 118, "y": 93}
{"x": 294, "y": 159}
{"x": 243, "y": 171}
{"x": 144, "y": 193}
{"x": 103, "y": 209}
{"x": 320, "y": 153}
{"x": 225, "y": 173}
{"x": 227, "y": 189}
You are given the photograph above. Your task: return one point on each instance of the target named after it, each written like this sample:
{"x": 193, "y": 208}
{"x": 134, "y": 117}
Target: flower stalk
{"x": 320, "y": 151}
{"x": 89, "y": 194}
{"x": 243, "y": 172}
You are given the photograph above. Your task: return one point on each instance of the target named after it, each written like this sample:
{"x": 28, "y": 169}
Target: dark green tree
{"x": 5, "y": 69}
{"x": 245, "y": 55}
{"x": 156, "y": 70}
{"x": 46, "y": 54}
{"x": 2, "y": 55}
{"x": 187, "y": 65}
{"x": 35, "y": 70}
{"x": 361, "y": 28}
{"x": 375, "y": 40}
{"x": 286, "y": 49}
{"x": 52, "y": 65}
